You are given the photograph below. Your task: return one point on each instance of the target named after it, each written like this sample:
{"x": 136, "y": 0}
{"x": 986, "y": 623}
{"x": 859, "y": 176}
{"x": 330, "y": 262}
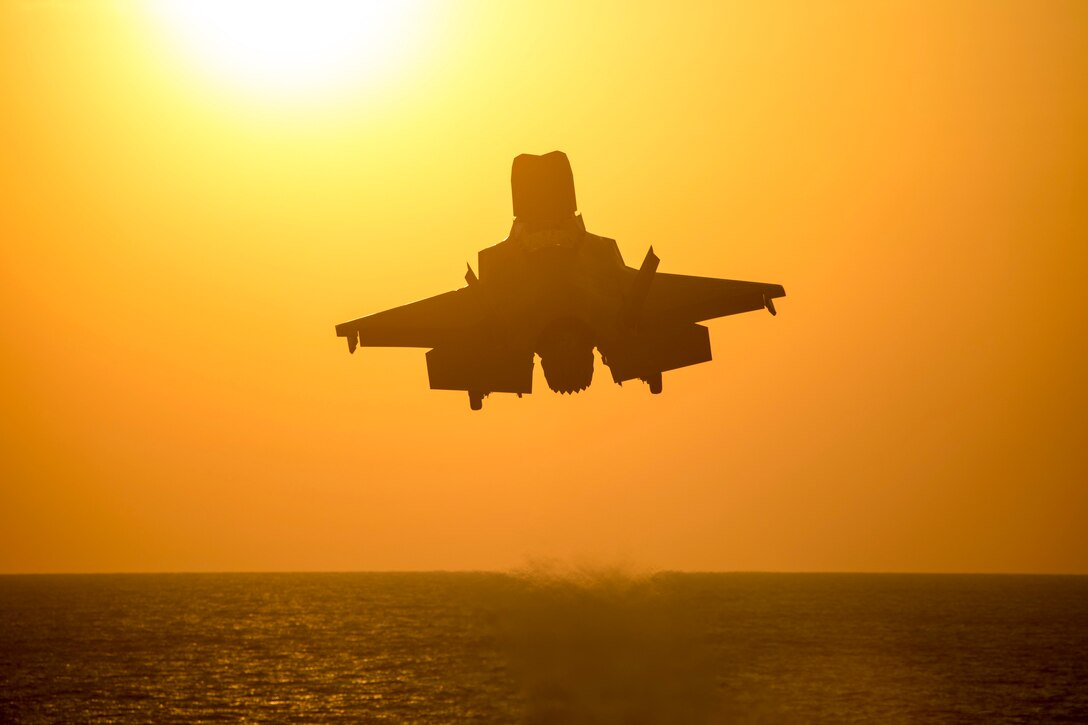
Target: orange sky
{"x": 175, "y": 250}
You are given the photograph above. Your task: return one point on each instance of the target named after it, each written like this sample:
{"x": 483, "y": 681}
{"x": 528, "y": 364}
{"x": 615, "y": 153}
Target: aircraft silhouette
{"x": 555, "y": 290}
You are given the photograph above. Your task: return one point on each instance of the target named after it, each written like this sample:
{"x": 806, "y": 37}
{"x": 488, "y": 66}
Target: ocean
{"x": 544, "y": 647}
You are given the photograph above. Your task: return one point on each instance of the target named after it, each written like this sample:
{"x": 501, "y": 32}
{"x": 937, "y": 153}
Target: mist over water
{"x": 546, "y": 644}
{"x": 605, "y": 644}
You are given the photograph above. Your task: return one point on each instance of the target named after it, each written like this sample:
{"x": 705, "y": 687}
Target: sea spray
{"x": 604, "y": 644}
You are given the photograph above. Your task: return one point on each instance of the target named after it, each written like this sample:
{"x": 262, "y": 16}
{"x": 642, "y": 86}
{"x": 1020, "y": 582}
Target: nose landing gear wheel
{"x": 475, "y": 400}
{"x": 654, "y": 382}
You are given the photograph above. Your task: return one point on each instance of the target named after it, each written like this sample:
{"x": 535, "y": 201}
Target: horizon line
{"x": 634, "y": 573}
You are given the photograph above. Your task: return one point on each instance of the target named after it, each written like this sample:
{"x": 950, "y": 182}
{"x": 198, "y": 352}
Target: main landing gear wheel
{"x": 475, "y": 400}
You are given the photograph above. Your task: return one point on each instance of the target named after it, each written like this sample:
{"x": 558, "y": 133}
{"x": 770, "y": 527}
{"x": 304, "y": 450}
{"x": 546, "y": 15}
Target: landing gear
{"x": 475, "y": 400}
{"x": 654, "y": 381}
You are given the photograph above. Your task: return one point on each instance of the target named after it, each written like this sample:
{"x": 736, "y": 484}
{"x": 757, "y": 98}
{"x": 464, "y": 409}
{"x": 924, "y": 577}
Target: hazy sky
{"x": 179, "y": 234}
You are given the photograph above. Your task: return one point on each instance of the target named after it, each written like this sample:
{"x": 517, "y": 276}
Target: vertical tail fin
{"x": 640, "y": 288}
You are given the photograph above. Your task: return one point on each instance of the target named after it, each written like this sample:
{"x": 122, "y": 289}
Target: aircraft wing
{"x": 683, "y": 298}
{"x": 430, "y": 322}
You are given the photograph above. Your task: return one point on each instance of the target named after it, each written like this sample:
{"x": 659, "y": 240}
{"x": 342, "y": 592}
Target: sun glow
{"x": 292, "y": 48}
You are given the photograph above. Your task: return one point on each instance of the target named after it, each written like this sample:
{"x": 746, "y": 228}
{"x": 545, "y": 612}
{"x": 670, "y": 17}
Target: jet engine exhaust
{"x": 566, "y": 354}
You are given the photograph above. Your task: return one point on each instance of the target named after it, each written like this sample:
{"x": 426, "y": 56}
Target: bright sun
{"x": 291, "y": 48}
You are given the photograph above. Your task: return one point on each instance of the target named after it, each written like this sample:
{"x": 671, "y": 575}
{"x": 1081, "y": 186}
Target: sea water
{"x": 540, "y": 647}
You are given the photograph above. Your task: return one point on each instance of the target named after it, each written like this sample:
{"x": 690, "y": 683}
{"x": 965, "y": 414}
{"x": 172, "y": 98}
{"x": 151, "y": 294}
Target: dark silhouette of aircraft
{"x": 555, "y": 290}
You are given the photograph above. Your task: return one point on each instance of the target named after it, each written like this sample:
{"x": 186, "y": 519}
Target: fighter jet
{"x": 553, "y": 289}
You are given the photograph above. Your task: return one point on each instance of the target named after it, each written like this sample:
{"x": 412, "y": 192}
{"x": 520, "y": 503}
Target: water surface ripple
{"x": 464, "y": 647}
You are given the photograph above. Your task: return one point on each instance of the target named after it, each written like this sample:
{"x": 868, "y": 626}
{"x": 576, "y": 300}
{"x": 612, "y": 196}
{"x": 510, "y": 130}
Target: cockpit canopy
{"x": 543, "y": 187}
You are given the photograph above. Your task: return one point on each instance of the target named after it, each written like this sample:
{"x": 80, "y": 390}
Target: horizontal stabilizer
{"x": 656, "y": 349}
{"x": 480, "y": 368}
